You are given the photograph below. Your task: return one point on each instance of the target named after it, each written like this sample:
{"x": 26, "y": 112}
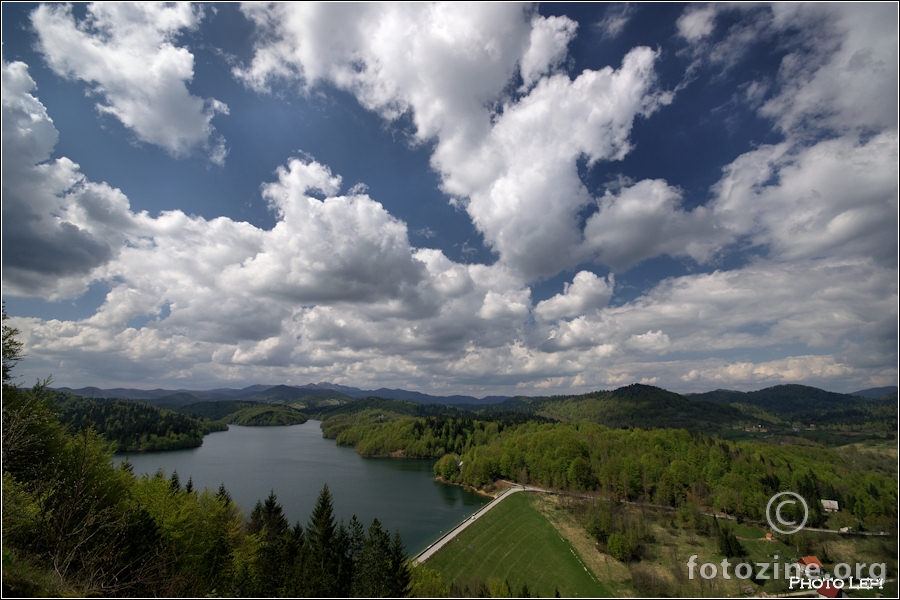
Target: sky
{"x": 480, "y": 199}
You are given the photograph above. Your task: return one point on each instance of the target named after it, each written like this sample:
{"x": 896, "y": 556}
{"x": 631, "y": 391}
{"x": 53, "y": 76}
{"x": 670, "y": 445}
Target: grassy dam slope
{"x": 514, "y": 543}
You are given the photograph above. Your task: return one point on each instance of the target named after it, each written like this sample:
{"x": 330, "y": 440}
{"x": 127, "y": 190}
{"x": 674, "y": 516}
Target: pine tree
{"x": 322, "y": 564}
{"x": 175, "y": 482}
{"x": 374, "y": 568}
{"x": 223, "y": 495}
{"x": 400, "y": 574}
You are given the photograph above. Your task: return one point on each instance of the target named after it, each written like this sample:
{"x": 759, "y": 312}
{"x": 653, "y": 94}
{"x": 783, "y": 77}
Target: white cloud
{"x": 615, "y": 19}
{"x": 754, "y": 375}
{"x": 523, "y": 186}
{"x": 838, "y": 70}
{"x": 334, "y": 291}
{"x": 655, "y": 342}
{"x": 57, "y": 226}
{"x": 125, "y": 51}
{"x": 586, "y": 293}
{"x": 28, "y": 131}
{"x": 505, "y": 305}
{"x": 547, "y": 46}
{"x": 445, "y": 61}
{"x": 844, "y": 78}
{"x": 645, "y": 220}
{"x": 697, "y": 23}
{"x": 448, "y": 64}
{"x": 339, "y": 248}
{"x": 837, "y": 197}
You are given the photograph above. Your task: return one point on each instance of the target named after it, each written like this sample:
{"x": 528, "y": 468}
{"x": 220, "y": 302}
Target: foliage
{"x": 267, "y": 414}
{"x": 803, "y": 406}
{"x": 12, "y": 349}
{"x": 74, "y": 524}
{"x": 134, "y": 426}
{"x": 216, "y": 410}
{"x": 728, "y": 543}
{"x": 670, "y": 467}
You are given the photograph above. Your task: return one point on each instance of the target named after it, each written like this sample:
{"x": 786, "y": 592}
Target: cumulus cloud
{"x": 547, "y": 46}
{"x": 645, "y": 220}
{"x": 586, "y": 293}
{"x": 527, "y": 193}
{"x": 514, "y": 172}
{"x": 342, "y": 247}
{"x": 126, "y": 53}
{"x": 57, "y": 226}
{"x": 836, "y": 197}
{"x": 444, "y": 61}
{"x": 656, "y": 342}
{"x": 335, "y": 291}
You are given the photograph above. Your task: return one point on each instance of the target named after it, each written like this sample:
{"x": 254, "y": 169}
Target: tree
{"x": 728, "y": 543}
{"x": 374, "y": 570}
{"x": 268, "y": 518}
{"x": 427, "y": 583}
{"x": 12, "y": 349}
{"x": 400, "y": 577}
{"x": 322, "y": 562}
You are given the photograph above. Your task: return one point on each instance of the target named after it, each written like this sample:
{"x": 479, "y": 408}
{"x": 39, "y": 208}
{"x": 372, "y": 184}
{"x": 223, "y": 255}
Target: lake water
{"x": 296, "y": 461}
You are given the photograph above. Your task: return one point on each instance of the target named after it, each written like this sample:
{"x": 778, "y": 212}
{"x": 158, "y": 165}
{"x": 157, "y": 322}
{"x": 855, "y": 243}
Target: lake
{"x": 296, "y": 461}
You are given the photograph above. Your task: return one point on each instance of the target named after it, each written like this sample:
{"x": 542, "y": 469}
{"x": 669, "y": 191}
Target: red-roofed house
{"x": 811, "y": 560}
{"x": 829, "y": 590}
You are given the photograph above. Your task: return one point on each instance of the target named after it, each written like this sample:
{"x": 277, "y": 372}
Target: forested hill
{"x": 810, "y": 405}
{"x": 133, "y": 426}
{"x": 638, "y": 406}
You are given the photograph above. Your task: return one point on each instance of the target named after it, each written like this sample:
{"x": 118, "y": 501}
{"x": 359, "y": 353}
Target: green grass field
{"x": 514, "y": 543}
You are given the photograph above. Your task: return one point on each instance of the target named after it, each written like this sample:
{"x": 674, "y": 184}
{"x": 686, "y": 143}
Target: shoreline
{"x": 499, "y": 487}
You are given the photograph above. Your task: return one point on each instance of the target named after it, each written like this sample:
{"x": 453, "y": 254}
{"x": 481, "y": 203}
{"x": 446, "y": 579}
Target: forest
{"x": 133, "y": 426}
{"x": 668, "y": 467}
{"x": 75, "y": 525}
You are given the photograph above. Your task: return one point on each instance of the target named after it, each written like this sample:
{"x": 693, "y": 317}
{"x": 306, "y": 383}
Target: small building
{"x": 830, "y": 505}
{"x": 829, "y": 590}
{"x": 807, "y": 561}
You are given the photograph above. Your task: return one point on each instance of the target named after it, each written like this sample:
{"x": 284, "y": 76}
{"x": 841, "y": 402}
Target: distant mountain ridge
{"x": 878, "y": 392}
{"x": 273, "y": 393}
{"x": 284, "y": 393}
{"x": 768, "y": 398}
{"x": 794, "y": 399}
{"x": 780, "y": 410}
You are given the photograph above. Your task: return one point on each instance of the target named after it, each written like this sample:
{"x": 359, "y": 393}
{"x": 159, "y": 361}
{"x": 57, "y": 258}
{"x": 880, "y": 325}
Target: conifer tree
{"x": 322, "y": 563}
{"x": 400, "y": 574}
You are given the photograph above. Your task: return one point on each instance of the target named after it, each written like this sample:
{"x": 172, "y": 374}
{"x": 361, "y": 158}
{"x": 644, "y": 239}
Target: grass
{"x": 515, "y": 544}
{"x": 539, "y": 540}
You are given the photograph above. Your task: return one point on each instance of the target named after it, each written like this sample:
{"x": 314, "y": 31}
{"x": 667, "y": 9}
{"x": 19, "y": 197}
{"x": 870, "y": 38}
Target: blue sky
{"x": 481, "y": 199}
